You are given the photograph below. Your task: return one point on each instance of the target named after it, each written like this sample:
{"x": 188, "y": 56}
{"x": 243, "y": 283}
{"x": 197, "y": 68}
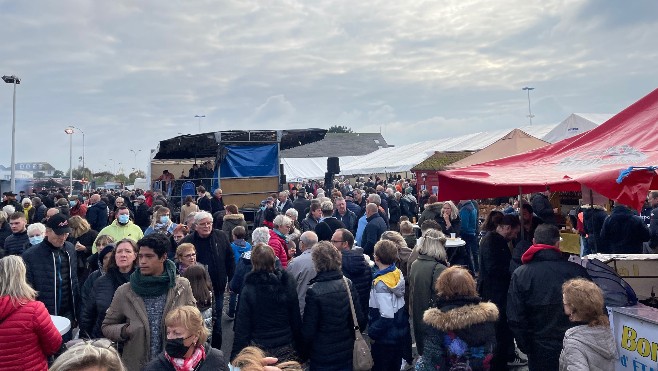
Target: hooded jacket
{"x": 27, "y": 336}
{"x": 231, "y": 221}
{"x": 128, "y": 308}
{"x": 280, "y": 247}
{"x": 268, "y": 312}
{"x": 432, "y": 212}
{"x": 588, "y": 348}
{"x": 468, "y": 214}
{"x": 459, "y": 331}
{"x": 97, "y": 215}
{"x": 388, "y": 322}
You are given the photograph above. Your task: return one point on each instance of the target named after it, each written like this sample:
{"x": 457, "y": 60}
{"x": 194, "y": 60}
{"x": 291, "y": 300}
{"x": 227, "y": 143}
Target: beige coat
{"x": 128, "y": 308}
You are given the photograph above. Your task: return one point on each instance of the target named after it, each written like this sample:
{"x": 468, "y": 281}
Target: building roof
{"x": 339, "y": 145}
{"x": 440, "y": 160}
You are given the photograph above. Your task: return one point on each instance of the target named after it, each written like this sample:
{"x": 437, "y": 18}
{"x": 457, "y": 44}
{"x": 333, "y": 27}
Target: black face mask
{"x": 175, "y": 347}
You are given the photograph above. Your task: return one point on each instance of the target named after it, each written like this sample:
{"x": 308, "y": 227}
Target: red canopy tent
{"x": 593, "y": 159}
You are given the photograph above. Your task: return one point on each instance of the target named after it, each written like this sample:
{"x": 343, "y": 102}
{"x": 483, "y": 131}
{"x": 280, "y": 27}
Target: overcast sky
{"x": 132, "y": 73}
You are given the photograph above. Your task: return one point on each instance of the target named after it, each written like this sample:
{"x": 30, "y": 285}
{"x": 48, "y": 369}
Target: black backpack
{"x": 616, "y": 291}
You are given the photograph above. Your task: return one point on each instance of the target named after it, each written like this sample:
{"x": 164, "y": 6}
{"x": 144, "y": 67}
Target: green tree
{"x": 339, "y": 129}
{"x": 39, "y": 174}
{"x": 58, "y": 174}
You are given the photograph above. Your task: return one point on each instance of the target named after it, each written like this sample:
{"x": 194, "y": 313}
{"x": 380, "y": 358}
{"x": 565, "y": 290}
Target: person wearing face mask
{"x": 122, "y": 227}
{"x": 35, "y": 234}
{"x": 186, "y": 347}
{"x": 161, "y": 223}
{"x": 77, "y": 206}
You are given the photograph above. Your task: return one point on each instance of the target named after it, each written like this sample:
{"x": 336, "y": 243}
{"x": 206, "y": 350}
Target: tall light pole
{"x": 530, "y": 115}
{"x": 135, "y": 153}
{"x": 70, "y": 132}
{"x": 13, "y": 80}
{"x": 200, "y": 117}
{"x": 83, "y": 148}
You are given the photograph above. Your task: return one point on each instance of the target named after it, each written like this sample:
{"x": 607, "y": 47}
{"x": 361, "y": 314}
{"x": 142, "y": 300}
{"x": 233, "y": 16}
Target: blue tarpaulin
{"x": 250, "y": 161}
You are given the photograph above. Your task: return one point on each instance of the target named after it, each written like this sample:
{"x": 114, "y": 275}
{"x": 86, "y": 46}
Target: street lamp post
{"x": 200, "y": 117}
{"x": 530, "y": 115}
{"x": 83, "y": 148}
{"x": 135, "y": 153}
{"x": 13, "y": 80}
{"x": 70, "y": 132}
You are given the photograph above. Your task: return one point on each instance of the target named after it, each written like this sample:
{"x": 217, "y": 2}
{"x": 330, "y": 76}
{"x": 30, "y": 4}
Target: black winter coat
{"x": 220, "y": 260}
{"x": 349, "y": 220}
{"x": 326, "y": 228}
{"x": 624, "y": 232}
{"x": 204, "y": 204}
{"x": 5, "y": 231}
{"x": 40, "y": 261}
{"x": 593, "y": 219}
{"x": 534, "y": 307}
{"x": 542, "y": 208}
{"x": 355, "y": 268}
{"x": 371, "y": 234}
{"x": 142, "y": 217}
{"x": 494, "y": 277}
{"x": 100, "y": 298}
{"x": 394, "y": 210}
{"x": 86, "y": 321}
{"x": 328, "y": 325}
{"x": 15, "y": 243}
{"x": 97, "y": 215}
{"x": 216, "y": 204}
{"x": 301, "y": 204}
{"x": 214, "y": 361}
{"x": 268, "y": 312}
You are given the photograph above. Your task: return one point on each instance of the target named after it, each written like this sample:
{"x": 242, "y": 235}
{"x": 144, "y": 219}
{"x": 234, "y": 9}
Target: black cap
{"x": 59, "y": 224}
{"x": 9, "y": 193}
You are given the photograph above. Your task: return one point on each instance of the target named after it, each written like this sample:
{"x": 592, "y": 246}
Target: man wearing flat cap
{"x": 51, "y": 270}
{"x": 9, "y": 198}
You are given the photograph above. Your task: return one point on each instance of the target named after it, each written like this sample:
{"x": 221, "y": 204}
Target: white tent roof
{"x": 403, "y": 158}
{"x": 297, "y": 169}
{"x": 576, "y": 123}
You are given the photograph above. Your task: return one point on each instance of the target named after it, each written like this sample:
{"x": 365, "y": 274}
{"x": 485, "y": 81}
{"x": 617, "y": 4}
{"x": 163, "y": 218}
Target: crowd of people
{"x": 317, "y": 264}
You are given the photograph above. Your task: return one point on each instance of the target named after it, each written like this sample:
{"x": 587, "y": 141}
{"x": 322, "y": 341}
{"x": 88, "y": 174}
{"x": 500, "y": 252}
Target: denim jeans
{"x": 232, "y": 303}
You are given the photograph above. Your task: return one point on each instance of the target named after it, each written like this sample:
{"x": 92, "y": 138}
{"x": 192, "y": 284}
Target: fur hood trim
{"x": 234, "y": 217}
{"x": 461, "y": 317}
{"x": 435, "y": 207}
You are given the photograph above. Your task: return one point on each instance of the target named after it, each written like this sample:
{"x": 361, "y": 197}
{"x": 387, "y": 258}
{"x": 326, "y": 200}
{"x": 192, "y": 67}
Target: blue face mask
{"x": 72, "y": 203}
{"x": 35, "y": 240}
{"x": 164, "y": 219}
{"x": 124, "y": 218}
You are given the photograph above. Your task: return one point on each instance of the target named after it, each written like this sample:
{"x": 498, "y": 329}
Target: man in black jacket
{"x": 301, "y": 204}
{"x": 354, "y": 267}
{"x": 542, "y": 207}
{"x": 217, "y": 202}
{"x": 328, "y": 224}
{"x": 534, "y": 305}
{"x": 97, "y": 213}
{"x": 51, "y": 270}
{"x": 374, "y": 229}
{"x": 213, "y": 249}
{"x": 203, "y": 201}
{"x": 142, "y": 217}
{"x": 624, "y": 232}
{"x": 15, "y": 243}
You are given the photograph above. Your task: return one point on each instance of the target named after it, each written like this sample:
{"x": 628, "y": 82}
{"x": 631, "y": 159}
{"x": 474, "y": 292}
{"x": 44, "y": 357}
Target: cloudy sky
{"x": 132, "y": 73}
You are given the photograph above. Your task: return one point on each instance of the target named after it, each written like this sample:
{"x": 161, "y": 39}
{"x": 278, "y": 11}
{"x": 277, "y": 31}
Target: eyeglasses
{"x": 206, "y": 224}
{"x": 190, "y": 255}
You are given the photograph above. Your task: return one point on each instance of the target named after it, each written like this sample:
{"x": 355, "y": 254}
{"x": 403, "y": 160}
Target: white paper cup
{"x": 453, "y": 235}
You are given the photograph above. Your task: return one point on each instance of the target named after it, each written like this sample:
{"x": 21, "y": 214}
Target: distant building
{"x": 34, "y": 167}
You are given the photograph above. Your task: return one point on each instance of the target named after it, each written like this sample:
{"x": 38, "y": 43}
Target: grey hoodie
{"x": 588, "y": 348}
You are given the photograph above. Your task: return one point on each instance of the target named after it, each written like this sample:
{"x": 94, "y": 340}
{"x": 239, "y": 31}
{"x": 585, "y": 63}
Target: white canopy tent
{"x": 576, "y": 123}
{"x": 298, "y": 169}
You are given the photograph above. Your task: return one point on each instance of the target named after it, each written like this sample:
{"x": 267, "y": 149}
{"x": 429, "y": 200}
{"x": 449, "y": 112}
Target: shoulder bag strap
{"x": 349, "y": 294}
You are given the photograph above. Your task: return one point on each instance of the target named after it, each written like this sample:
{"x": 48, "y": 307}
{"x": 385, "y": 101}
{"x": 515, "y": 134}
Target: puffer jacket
{"x": 15, "y": 243}
{"x": 86, "y": 320}
{"x": 460, "y": 331}
{"x": 374, "y": 229}
{"x": 27, "y": 336}
{"x": 268, "y": 312}
{"x": 40, "y": 263}
{"x": 100, "y": 298}
{"x": 128, "y": 308}
{"x": 355, "y": 267}
{"x": 328, "y": 325}
{"x": 97, "y": 215}
{"x": 231, "y": 221}
{"x": 348, "y": 219}
{"x": 388, "y": 322}
{"x": 624, "y": 232}
{"x": 588, "y": 348}
{"x": 280, "y": 247}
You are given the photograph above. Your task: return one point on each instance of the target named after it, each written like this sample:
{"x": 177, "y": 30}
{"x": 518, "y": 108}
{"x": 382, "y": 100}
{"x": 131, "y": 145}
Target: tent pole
{"x": 591, "y": 206}
{"x": 521, "y": 213}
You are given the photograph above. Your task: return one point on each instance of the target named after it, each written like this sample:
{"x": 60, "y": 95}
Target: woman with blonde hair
{"x": 28, "y": 334}
{"x": 589, "y": 345}
{"x": 449, "y": 218}
{"x": 89, "y": 355}
{"x": 424, "y": 272}
{"x": 161, "y": 222}
{"x": 253, "y": 359}
{"x": 460, "y": 328}
{"x": 185, "y": 257}
{"x": 186, "y": 347}
{"x": 82, "y": 237}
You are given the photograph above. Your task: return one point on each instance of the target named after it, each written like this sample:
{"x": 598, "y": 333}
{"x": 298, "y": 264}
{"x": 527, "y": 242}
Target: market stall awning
{"x": 593, "y": 159}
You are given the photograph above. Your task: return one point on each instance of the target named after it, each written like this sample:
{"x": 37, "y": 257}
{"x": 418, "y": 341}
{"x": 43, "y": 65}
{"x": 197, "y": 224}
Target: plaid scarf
{"x": 188, "y": 364}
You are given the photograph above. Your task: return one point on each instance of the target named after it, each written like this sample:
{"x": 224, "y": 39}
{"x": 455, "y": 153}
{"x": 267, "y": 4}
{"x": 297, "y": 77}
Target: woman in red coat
{"x": 27, "y": 334}
{"x": 278, "y": 242}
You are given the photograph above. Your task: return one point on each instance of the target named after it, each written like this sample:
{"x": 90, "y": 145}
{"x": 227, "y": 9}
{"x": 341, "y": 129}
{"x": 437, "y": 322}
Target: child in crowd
{"x": 408, "y": 233}
{"x": 239, "y": 246}
{"x": 388, "y": 322}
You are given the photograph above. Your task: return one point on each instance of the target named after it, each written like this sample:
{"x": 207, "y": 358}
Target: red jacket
{"x": 280, "y": 247}
{"x": 27, "y": 336}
